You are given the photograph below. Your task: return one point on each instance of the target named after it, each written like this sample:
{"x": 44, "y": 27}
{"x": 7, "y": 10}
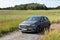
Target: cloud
{"x": 7, "y": 3}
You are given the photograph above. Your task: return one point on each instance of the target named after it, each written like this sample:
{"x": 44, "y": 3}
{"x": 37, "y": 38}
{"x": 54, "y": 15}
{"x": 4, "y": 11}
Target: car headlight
{"x": 28, "y": 24}
{"x": 19, "y": 26}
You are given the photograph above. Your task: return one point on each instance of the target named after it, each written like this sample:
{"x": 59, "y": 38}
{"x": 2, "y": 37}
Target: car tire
{"x": 38, "y": 29}
{"x": 22, "y": 32}
{"x": 48, "y": 28}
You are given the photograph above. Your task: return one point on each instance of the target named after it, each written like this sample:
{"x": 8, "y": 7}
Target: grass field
{"x": 10, "y": 19}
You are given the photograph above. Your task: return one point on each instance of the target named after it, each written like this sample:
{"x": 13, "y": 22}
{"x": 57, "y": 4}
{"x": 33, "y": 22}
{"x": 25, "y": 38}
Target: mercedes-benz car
{"x": 35, "y": 24}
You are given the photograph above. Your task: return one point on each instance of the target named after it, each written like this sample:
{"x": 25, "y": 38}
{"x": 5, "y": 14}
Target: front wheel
{"x": 38, "y": 29}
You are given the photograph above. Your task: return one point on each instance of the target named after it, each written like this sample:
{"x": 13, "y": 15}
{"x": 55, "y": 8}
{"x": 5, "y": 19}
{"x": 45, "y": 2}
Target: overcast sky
{"x": 48, "y": 3}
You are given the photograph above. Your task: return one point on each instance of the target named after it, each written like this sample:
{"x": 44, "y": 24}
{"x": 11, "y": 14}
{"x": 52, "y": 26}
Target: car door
{"x": 46, "y": 21}
{"x": 42, "y": 22}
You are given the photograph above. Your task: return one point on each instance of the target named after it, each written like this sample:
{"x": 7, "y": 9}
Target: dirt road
{"x": 17, "y": 35}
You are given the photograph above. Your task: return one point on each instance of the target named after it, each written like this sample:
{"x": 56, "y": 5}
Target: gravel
{"x": 17, "y": 35}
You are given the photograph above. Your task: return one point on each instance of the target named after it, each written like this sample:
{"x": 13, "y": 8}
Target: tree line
{"x": 30, "y": 6}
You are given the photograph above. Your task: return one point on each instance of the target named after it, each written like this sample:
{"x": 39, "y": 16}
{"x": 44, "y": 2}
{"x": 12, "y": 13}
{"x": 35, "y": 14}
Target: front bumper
{"x": 28, "y": 30}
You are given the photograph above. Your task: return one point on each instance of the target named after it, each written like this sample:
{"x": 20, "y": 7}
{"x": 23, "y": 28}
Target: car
{"x": 35, "y": 24}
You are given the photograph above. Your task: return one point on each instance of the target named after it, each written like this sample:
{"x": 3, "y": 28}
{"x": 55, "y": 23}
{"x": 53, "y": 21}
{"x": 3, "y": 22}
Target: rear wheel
{"x": 48, "y": 28}
{"x": 42, "y": 29}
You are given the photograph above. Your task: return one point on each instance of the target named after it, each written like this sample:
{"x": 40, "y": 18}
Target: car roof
{"x": 38, "y": 16}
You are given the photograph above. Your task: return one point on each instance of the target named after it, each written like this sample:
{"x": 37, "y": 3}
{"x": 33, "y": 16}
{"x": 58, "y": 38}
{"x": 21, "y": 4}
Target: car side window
{"x": 42, "y": 19}
{"x": 46, "y": 18}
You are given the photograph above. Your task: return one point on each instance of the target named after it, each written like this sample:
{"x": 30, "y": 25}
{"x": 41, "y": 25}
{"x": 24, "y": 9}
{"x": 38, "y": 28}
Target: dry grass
{"x": 54, "y": 34}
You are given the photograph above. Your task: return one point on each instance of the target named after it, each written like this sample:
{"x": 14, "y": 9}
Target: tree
{"x": 30, "y": 6}
{"x": 58, "y": 7}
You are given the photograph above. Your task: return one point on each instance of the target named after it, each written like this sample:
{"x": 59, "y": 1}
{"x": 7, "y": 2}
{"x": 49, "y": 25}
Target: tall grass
{"x": 10, "y": 19}
{"x": 55, "y": 35}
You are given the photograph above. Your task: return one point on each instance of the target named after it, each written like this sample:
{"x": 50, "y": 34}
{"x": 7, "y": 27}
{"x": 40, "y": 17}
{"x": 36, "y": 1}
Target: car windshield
{"x": 33, "y": 19}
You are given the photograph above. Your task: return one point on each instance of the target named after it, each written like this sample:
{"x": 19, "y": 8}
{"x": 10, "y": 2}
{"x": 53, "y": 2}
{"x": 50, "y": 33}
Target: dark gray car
{"x": 35, "y": 24}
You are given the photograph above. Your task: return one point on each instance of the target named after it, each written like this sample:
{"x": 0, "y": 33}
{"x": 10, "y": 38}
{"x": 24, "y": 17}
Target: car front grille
{"x": 24, "y": 26}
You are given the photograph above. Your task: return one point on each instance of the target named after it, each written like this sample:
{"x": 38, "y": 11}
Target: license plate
{"x": 24, "y": 29}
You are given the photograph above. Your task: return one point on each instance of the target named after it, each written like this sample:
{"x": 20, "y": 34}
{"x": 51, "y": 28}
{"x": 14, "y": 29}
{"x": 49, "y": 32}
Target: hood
{"x": 28, "y": 22}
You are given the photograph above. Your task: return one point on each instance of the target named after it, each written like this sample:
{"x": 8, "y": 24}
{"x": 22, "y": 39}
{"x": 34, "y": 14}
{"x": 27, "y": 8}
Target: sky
{"x": 12, "y": 3}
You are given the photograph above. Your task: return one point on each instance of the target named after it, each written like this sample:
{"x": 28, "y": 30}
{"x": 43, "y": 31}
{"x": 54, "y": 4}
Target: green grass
{"x": 10, "y": 19}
